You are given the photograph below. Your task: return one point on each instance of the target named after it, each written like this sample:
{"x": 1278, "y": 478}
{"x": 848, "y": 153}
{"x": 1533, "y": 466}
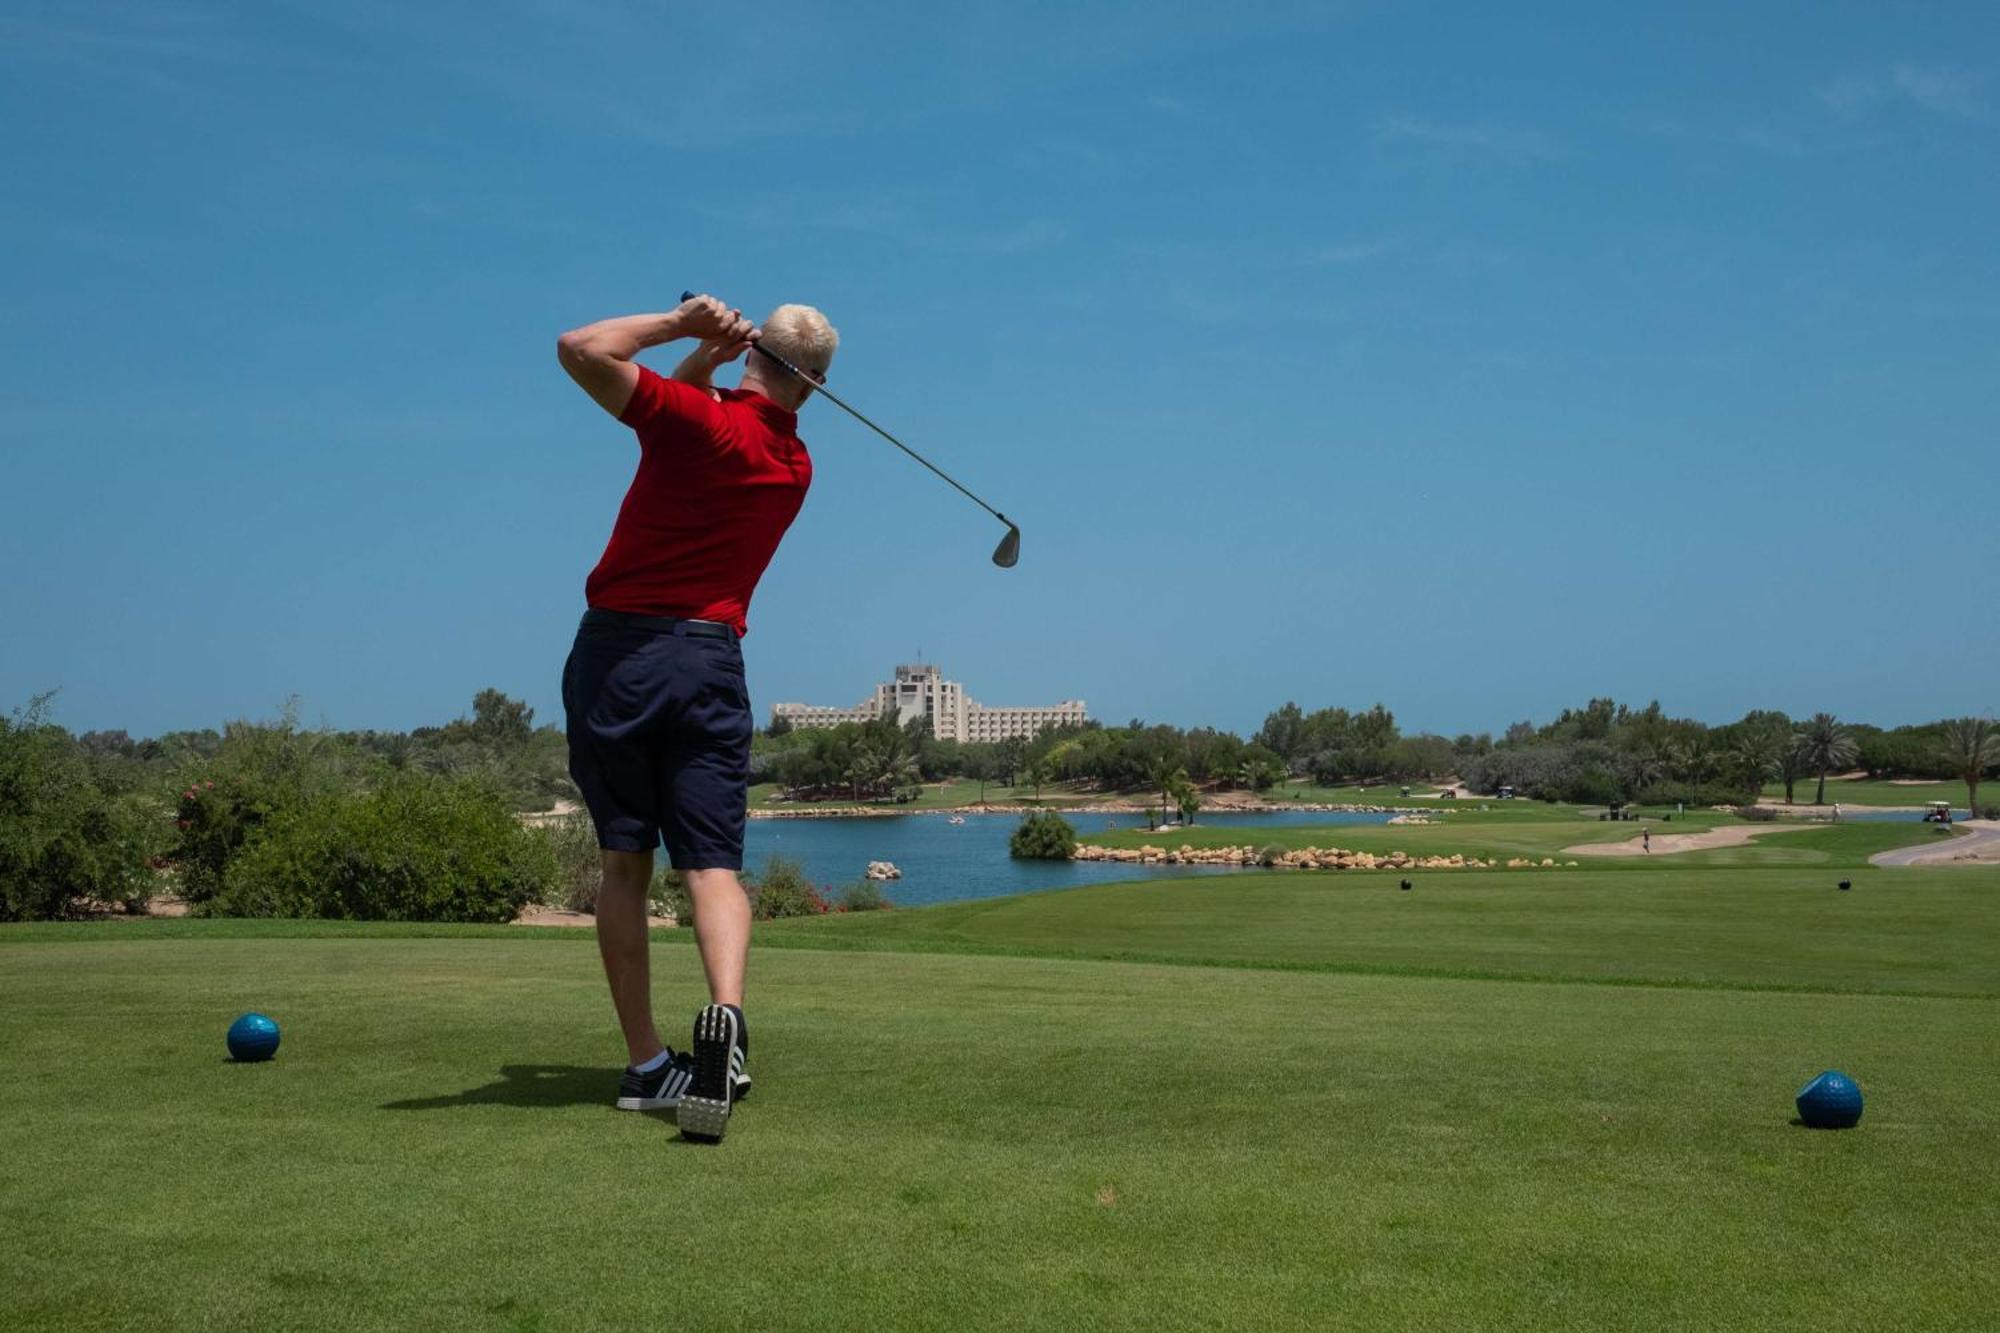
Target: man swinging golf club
{"x": 658, "y": 717}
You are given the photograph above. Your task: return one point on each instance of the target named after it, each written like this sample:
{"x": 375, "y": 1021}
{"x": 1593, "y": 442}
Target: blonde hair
{"x": 801, "y": 335}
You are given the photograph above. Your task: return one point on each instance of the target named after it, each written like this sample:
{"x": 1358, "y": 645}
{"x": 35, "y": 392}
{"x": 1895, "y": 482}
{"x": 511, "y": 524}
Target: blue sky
{"x": 1475, "y": 363}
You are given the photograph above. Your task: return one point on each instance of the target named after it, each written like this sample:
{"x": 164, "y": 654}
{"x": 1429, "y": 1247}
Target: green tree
{"x": 65, "y": 841}
{"x": 1971, "y": 746}
{"x": 1256, "y": 774}
{"x": 499, "y": 720}
{"x": 1827, "y": 747}
{"x": 1043, "y": 836}
{"x": 1758, "y": 754}
{"x": 1187, "y": 799}
{"x": 1008, "y": 755}
{"x": 1164, "y": 774}
{"x": 1284, "y": 732}
{"x": 1038, "y": 771}
{"x": 1793, "y": 762}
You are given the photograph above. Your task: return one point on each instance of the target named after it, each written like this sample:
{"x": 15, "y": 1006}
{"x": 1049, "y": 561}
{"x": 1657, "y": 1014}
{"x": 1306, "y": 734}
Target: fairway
{"x": 967, "y": 1139}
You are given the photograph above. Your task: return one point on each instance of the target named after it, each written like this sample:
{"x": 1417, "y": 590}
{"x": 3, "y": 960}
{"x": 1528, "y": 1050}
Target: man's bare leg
{"x": 621, "y": 940}
{"x": 721, "y": 931}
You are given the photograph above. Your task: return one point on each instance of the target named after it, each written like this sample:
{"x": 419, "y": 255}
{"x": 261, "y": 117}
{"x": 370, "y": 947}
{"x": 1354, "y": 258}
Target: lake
{"x": 946, "y": 862}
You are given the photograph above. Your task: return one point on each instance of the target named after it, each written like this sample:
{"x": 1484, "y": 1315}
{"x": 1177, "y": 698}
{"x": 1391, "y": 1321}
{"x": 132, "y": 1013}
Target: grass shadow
{"x": 527, "y": 1085}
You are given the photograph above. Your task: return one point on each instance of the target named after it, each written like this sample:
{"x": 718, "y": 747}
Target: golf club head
{"x": 1009, "y": 549}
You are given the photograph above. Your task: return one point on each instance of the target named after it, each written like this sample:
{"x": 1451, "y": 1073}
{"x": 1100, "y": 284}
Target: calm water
{"x": 945, "y": 862}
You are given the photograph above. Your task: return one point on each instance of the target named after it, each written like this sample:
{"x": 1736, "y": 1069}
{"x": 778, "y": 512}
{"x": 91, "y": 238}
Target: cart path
{"x": 1978, "y": 845}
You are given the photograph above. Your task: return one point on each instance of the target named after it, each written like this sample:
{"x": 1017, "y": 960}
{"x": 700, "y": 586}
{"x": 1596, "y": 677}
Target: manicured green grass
{"x": 1896, "y": 930}
{"x": 1821, "y": 845}
{"x": 1470, "y": 835}
{"x": 1860, "y": 791}
{"x": 1306, "y": 792}
{"x": 961, "y": 1141}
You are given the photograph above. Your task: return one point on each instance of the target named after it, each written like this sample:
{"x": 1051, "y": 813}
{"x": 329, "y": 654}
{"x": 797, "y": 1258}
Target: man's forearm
{"x": 622, "y": 338}
{"x": 599, "y": 356}
{"x": 695, "y": 368}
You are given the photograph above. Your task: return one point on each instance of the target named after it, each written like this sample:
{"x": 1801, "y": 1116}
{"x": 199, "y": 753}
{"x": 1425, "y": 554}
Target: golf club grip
{"x": 689, "y": 296}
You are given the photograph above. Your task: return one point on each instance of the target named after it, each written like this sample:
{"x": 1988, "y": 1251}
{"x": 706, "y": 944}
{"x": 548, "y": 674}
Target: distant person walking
{"x": 658, "y": 716}
{"x": 1646, "y": 840}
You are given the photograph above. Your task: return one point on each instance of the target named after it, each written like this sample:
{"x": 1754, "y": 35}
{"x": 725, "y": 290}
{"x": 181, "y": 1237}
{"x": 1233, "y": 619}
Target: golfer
{"x": 658, "y": 717}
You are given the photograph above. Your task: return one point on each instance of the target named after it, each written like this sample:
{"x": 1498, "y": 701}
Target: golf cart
{"x": 1504, "y": 794}
{"x": 1938, "y": 812}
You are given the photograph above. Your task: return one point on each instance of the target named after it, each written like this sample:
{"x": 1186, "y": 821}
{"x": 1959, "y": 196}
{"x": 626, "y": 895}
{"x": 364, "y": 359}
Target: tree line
{"x": 274, "y": 817}
{"x": 1601, "y": 752}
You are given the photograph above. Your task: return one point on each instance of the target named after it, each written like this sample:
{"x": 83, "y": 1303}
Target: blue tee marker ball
{"x": 253, "y": 1037}
{"x": 1831, "y": 1101}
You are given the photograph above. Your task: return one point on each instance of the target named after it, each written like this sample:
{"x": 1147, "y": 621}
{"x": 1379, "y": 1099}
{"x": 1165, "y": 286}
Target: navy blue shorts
{"x": 659, "y": 739}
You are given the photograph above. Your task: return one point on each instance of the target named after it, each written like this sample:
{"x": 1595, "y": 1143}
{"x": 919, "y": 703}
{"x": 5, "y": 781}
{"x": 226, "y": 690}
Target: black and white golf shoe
{"x": 739, "y": 1077}
{"x": 703, "y": 1113}
{"x": 657, "y": 1089}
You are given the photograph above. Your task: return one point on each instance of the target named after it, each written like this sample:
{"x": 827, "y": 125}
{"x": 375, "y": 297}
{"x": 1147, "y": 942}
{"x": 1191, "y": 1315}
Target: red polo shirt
{"x": 718, "y": 484}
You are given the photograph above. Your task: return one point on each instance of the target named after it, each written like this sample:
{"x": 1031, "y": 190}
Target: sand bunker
{"x": 1666, "y": 844}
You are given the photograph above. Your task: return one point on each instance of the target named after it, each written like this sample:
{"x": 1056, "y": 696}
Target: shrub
{"x": 1990, "y": 812}
{"x": 419, "y": 848}
{"x": 1594, "y": 786}
{"x": 65, "y": 842}
{"x": 863, "y": 895}
{"x": 579, "y": 863}
{"x": 1757, "y": 814}
{"x": 1689, "y": 794}
{"x": 258, "y": 772}
{"x": 1043, "y": 836}
{"x": 668, "y": 896}
{"x": 783, "y": 890}
{"x": 1268, "y": 855}
{"x": 213, "y": 823}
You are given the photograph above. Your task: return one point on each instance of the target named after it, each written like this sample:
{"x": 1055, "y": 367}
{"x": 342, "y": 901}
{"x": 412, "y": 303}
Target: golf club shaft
{"x": 831, "y": 397}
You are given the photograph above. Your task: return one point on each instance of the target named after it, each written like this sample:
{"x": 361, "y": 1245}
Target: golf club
{"x": 1005, "y": 554}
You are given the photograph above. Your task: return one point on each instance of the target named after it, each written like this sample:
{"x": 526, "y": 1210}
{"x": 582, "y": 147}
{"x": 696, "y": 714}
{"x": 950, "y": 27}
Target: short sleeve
{"x": 669, "y": 413}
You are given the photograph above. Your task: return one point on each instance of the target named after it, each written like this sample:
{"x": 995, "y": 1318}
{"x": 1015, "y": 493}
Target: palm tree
{"x": 1039, "y": 770}
{"x": 1792, "y": 761}
{"x": 1971, "y": 746}
{"x": 1163, "y": 773}
{"x": 1759, "y": 753}
{"x": 1827, "y": 747}
{"x": 1254, "y": 775}
{"x": 1187, "y": 798}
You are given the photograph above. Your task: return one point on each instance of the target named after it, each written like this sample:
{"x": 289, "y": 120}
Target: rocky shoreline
{"x": 1307, "y": 858}
{"x": 1094, "y": 808}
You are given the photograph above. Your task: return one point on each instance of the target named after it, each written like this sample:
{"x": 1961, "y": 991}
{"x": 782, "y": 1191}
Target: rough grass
{"x": 950, "y": 1132}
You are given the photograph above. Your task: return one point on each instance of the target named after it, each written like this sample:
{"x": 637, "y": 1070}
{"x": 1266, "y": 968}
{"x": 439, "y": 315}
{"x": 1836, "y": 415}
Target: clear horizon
{"x": 1473, "y": 365}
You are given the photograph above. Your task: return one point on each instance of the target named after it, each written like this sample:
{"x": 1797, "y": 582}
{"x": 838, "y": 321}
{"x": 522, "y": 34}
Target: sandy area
{"x": 1979, "y": 845}
{"x": 1666, "y": 844}
{"x": 555, "y": 916}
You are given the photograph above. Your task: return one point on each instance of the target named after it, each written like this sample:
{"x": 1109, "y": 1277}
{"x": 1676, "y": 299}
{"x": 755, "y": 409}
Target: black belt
{"x": 690, "y": 629}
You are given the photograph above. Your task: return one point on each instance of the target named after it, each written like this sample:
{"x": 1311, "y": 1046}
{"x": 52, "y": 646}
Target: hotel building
{"x": 922, "y": 691}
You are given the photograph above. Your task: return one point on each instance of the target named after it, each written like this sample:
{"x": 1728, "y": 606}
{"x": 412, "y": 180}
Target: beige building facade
{"x": 919, "y": 690}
